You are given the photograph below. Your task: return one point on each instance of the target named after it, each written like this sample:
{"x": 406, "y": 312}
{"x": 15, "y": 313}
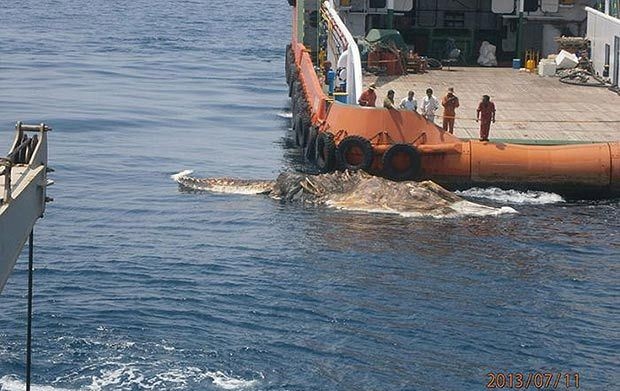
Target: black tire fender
{"x": 297, "y": 124}
{"x": 402, "y": 162}
{"x": 311, "y": 143}
{"x": 293, "y": 70}
{"x": 325, "y": 151}
{"x": 355, "y": 153}
{"x": 301, "y": 107}
{"x": 287, "y": 63}
{"x": 302, "y": 125}
{"x": 293, "y": 73}
{"x": 292, "y": 88}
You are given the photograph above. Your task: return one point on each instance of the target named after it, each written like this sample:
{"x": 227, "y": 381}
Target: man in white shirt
{"x": 430, "y": 104}
{"x": 409, "y": 103}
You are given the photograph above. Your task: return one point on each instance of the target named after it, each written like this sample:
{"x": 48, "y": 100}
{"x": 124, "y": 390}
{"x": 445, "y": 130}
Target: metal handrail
{"x": 13, "y": 157}
{"x": 8, "y": 164}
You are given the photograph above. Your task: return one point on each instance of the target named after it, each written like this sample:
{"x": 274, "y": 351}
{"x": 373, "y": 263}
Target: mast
{"x": 519, "y": 30}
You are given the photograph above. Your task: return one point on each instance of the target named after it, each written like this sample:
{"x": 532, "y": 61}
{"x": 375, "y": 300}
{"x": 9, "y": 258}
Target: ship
{"x": 324, "y": 73}
{"x": 23, "y": 184}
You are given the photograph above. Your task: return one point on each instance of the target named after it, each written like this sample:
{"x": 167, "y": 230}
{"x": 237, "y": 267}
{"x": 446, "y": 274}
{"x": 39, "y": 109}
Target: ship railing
{"x": 23, "y": 150}
{"x": 343, "y": 51}
{"x": 338, "y": 42}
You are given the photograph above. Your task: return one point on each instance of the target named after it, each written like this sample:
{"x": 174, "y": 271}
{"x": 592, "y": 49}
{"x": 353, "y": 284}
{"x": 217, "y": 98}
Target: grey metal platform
{"x": 23, "y": 183}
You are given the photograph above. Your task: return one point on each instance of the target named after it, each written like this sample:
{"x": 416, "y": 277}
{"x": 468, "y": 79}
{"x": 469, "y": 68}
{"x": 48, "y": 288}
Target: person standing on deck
{"x": 388, "y": 102}
{"x": 485, "y": 114}
{"x": 329, "y": 78}
{"x": 409, "y": 103}
{"x": 368, "y": 97}
{"x": 449, "y": 102}
{"x": 430, "y": 104}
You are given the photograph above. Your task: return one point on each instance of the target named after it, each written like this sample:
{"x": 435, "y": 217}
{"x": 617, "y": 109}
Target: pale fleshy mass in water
{"x": 353, "y": 191}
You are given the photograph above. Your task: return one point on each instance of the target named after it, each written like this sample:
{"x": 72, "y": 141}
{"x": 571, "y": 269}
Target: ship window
{"x": 403, "y": 5}
{"x": 614, "y": 10}
{"x": 377, "y": 4}
{"x": 607, "y": 54}
{"x": 549, "y": 5}
{"x": 502, "y": 6}
{"x": 530, "y": 5}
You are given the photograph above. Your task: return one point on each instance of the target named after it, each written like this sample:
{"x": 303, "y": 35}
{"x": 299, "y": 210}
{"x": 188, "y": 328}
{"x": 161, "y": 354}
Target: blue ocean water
{"x": 142, "y": 287}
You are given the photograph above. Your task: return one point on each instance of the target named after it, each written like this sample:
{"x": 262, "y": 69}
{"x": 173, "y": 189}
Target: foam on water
{"x": 285, "y": 114}
{"x": 126, "y": 376}
{"x": 13, "y": 383}
{"x": 226, "y": 382}
{"x": 178, "y": 175}
{"x": 512, "y": 196}
{"x": 120, "y": 376}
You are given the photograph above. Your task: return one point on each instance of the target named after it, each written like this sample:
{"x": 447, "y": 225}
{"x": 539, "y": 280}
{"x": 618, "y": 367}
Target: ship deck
{"x": 17, "y": 176}
{"x": 530, "y": 108}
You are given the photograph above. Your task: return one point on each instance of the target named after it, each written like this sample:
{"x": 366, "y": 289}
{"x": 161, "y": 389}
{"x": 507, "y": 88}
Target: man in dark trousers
{"x": 485, "y": 114}
{"x": 449, "y": 102}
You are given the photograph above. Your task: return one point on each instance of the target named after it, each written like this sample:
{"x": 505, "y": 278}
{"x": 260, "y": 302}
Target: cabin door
{"x": 615, "y": 79}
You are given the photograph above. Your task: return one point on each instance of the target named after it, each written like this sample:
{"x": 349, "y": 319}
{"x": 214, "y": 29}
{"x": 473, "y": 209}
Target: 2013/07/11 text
{"x": 539, "y": 380}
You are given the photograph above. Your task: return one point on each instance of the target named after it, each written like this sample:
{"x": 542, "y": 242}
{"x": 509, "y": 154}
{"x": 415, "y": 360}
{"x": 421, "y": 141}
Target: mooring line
{"x": 29, "y": 332}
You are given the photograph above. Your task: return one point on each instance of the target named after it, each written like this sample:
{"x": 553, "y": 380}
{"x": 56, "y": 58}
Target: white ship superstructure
{"x": 604, "y": 36}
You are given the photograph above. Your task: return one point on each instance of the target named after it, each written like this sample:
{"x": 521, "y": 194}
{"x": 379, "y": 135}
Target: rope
{"x": 29, "y": 331}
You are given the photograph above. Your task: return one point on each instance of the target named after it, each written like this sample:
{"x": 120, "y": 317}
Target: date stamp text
{"x": 533, "y": 380}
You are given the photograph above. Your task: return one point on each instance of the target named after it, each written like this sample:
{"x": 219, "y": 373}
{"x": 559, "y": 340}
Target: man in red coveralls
{"x": 485, "y": 114}
{"x": 449, "y": 102}
{"x": 368, "y": 97}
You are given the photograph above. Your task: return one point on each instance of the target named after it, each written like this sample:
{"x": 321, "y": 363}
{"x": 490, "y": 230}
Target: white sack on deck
{"x": 487, "y": 55}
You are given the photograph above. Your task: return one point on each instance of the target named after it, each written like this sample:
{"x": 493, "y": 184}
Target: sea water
{"x": 139, "y": 286}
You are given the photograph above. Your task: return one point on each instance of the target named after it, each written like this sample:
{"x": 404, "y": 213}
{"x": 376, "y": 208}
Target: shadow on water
{"x": 293, "y": 155}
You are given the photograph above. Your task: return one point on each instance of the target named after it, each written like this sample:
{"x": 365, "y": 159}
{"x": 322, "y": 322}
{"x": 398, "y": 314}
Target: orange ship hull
{"x": 402, "y": 145}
